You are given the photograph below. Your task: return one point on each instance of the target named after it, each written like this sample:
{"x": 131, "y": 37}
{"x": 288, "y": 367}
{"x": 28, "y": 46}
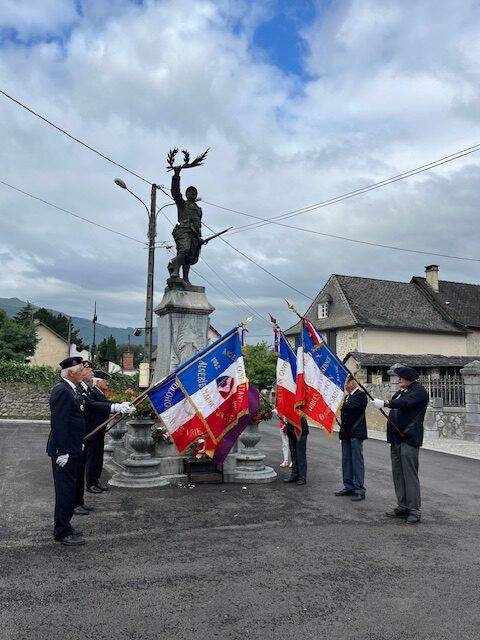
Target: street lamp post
{"x": 152, "y": 232}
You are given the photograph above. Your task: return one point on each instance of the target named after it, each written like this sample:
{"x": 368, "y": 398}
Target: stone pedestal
{"x": 140, "y": 470}
{"x": 471, "y": 378}
{"x": 250, "y": 467}
{"x": 183, "y": 317}
{"x": 183, "y": 323}
{"x": 171, "y": 463}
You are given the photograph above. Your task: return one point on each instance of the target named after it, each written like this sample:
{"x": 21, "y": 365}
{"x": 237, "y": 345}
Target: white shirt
{"x": 70, "y": 383}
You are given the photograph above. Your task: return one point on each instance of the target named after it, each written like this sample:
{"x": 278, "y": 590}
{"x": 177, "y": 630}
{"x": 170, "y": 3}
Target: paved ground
{"x": 221, "y": 562}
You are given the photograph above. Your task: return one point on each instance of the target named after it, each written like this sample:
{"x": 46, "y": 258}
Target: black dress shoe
{"x": 76, "y": 533}
{"x": 290, "y": 480}
{"x": 81, "y": 511}
{"x": 94, "y": 489}
{"x": 88, "y": 507}
{"x": 343, "y": 492}
{"x": 357, "y": 497}
{"x": 397, "y": 513}
{"x": 413, "y": 519}
{"x": 70, "y": 540}
{"x": 300, "y": 482}
{"x": 102, "y": 487}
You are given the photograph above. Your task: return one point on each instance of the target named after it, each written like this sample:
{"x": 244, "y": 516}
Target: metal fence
{"x": 450, "y": 389}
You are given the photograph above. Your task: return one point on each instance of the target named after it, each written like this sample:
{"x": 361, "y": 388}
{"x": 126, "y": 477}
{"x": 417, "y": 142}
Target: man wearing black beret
{"x": 94, "y": 448}
{"x": 65, "y": 445}
{"x": 405, "y": 435}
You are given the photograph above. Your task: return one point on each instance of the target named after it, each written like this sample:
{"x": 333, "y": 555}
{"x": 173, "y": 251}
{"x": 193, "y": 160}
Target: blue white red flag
{"x": 206, "y": 395}
{"x": 321, "y": 379}
{"x": 286, "y": 383}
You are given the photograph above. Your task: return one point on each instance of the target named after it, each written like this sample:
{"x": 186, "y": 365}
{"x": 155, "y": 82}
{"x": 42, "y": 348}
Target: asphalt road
{"x": 271, "y": 561}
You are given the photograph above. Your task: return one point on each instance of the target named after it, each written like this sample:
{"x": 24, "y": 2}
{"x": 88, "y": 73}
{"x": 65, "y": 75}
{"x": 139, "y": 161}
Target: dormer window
{"x": 322, "y": 310}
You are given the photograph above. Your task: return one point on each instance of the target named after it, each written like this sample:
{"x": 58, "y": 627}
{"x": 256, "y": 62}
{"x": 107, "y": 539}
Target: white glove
{"x": 127, "y": 408}
{"x": 62, "y": 460}
{"x": 378, "y": 404}
{"x": 116, "y": 407}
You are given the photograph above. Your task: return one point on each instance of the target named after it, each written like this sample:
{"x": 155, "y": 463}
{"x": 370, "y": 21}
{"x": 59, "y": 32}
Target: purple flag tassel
{"x": 229, "y": 439}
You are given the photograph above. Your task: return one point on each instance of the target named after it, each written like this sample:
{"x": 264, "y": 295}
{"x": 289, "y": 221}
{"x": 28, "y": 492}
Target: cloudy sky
{"x": 298, "y": 102}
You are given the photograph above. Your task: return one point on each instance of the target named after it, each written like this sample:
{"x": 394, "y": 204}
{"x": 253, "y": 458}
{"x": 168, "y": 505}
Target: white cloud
{"x": 393, "y": 85}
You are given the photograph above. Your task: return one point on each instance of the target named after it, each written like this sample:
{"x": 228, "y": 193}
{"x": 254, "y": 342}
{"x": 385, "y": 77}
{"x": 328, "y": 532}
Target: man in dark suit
{"x": 97, "y": 411}
{"x": 298, "y": 453}
{"x": 405, "y": 435}
{"x": 64, "y": 446}
{"x": 94, "y": 447}
{"x": 353, "y": 431}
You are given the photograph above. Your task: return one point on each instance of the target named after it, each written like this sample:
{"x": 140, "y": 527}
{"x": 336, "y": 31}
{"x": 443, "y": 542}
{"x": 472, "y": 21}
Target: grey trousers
{"x": 353, "y": 468}
{"x": 405, "y": 476}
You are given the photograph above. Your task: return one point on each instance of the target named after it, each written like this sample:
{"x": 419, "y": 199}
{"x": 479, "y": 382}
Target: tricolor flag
{"x": 206, "y": 396}
{"x": 321, "y": 378}
{"x": 286, "y": 383}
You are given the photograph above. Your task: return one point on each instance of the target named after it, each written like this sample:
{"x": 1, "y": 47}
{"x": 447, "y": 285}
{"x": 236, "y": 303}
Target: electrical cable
{"x": 72, "y": 137}
{"x": 289, "y": 214}
{"x": 71, "y": 213}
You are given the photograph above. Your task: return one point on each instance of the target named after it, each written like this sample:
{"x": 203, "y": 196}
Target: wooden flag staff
{"x": 292, "y": 307}
{"x": 115, "y": 419}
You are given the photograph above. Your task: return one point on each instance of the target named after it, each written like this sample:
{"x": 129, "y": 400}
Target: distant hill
{"x": 85, "y": 327}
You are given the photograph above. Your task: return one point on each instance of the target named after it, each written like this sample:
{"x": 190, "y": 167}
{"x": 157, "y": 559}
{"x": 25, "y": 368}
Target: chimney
{"x": 127, "y": 361}
{"x": 431, "y": 275}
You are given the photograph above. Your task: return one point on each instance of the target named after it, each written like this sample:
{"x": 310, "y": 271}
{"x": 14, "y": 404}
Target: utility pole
{"x": 152, "y": 233}
{"x": 94, "y": 330}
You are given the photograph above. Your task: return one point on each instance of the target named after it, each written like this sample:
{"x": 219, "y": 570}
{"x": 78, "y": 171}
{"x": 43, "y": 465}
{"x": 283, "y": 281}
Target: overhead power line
{"x": 348, "y": 195}
{"x": 70, "y": 213}
{"x": 250, "y": 259}
{"x": 276, "y": 219}
{"x": 72, "y": 137}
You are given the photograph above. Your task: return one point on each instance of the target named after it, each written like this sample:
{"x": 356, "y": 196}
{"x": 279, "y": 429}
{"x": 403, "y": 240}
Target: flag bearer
{"x": 405, "y": 435}
{"x": 94, "y": 447}
{"x": 96, "y": 412}
{"x": 67, "y": 430}
{"x": 353, "y": 431}
{"x": 298, "y": 453}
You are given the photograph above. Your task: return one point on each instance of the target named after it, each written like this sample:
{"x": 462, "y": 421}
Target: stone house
{"x": 52, "y": 348}
{"x": 371, "y": 323}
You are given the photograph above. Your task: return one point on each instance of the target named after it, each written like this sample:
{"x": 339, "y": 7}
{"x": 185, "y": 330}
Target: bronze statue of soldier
{"x": 187, "y": 233}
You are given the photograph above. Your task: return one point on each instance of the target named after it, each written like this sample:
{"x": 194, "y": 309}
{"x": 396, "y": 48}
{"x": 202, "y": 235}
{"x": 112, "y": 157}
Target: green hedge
{"x": 11, "y": 371}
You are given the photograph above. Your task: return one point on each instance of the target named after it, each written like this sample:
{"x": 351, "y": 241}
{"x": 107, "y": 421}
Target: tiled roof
{"x": 426, "y": 360}
{"x": 386, "y": 303}
{"x": 458, "y": 300}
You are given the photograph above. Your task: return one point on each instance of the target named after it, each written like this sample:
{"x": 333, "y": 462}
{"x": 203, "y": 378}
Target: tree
{"x": 60, "y": 324}
{"x": 107, "y": 349}
{"x": 260, "y": 363}
{"x": 17, "y": 341}
{"x": 25, "y": 316}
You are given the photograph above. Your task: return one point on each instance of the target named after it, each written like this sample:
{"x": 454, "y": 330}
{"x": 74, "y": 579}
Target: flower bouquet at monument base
{"x": 264, "y": 413}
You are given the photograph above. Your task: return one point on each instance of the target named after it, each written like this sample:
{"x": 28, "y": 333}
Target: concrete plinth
{"x": 139, "y": 470}
{"x": 139, "y": 474}
{"x": 250, "y": 467}
{"x": 183, "y": 318}
{"x": 183, "y": 323}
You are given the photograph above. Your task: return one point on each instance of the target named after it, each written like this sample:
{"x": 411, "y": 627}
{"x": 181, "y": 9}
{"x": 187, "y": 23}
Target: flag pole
{"x": 292, "y": 307}
{"x": 115, "y": 419}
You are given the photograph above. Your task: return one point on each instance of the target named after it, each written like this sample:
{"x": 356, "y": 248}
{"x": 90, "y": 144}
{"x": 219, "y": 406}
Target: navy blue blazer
{"x": 67, "y": 421}
{"x": 407, "y": 412}
{"x": 352, "y": 416}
